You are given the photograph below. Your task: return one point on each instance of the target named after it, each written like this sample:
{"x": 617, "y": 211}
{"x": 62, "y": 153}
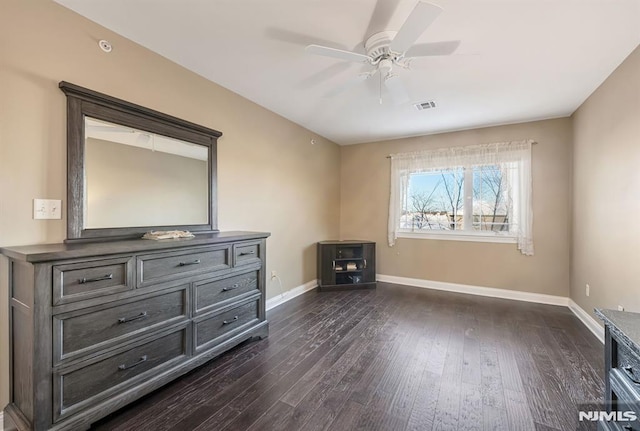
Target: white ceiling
{"x": 519, "y": 60}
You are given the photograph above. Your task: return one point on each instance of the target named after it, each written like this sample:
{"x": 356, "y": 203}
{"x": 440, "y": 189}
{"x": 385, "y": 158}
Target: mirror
{"x": 131, "y": 169}
{"x": 137, "y": 178}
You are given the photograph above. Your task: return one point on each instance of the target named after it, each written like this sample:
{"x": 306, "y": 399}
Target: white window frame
{"x": 467, "y": 233}
{"x": 521, "y": 212}
{"x": 452, "y": 235}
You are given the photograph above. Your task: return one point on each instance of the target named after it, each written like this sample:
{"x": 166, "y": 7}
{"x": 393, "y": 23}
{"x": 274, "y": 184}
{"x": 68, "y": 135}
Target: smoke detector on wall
{"x": 105, "y": 45}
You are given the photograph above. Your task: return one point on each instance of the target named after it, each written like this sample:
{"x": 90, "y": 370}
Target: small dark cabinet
{"x": 346, "y": 265}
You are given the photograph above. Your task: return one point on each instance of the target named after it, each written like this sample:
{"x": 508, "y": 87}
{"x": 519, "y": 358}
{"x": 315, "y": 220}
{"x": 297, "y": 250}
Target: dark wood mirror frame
{"x": 82, "y": 102}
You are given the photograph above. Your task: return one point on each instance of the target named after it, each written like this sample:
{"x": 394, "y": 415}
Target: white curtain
{"x": 514, "y": 158}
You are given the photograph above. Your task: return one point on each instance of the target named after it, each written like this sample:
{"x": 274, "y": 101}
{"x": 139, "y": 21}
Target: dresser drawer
{"x": 84, "y": 386}
{"x": 606, "y": 426}
{"x": 247, "y": 253}
{"x": 211, "y": 294}
{"x": 628, "y": 365}
{"x": 78, "y": 332}
{"x": 156, "y": 268}
{"x": 79, "y": 281}
{"x": 613, "y": 426}
{"x": 625, "y": 400}
{"x": 220, "y": 327}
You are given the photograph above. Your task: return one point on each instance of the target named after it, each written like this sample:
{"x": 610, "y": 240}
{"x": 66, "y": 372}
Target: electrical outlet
{"x": 274, "y": 274}
{"x": 47, "y": 209}
{"x": 620, "y": 308}
{"x": 587, "y": 287}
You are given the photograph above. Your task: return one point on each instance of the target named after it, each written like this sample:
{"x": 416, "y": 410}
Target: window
{"x": 478, "y": 193}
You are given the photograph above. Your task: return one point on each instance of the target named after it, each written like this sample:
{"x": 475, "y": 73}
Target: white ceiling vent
{"x": 425, "y": 105}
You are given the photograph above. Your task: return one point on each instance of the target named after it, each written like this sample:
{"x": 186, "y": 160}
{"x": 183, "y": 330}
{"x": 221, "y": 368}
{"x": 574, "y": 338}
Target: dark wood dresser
{"x": 622, "y": 369}
{"x": 94, "y": 326}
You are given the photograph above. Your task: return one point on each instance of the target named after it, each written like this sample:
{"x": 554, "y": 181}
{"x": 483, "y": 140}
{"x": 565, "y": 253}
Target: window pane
{"x": 490, "y": 199}
{"x": 434, "y": 201}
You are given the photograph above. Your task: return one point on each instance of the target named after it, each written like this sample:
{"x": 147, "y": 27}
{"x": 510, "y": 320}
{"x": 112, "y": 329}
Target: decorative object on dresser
{"x": 94, "y": 326}
{"x": 622, "y": 369}
{"x": 346, "y": 264}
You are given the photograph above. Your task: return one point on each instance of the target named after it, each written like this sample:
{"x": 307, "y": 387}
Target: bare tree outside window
{"x": 422, "y": 205}
{"x": 435, "y": 201}
{"x": 452, "y": 198}
{"x": 490, "y": 199}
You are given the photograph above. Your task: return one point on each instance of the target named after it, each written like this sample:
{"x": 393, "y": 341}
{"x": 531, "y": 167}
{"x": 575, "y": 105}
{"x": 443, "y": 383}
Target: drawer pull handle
{"x": 235, "y": 286}
{"x": 226, "y": 322}
{"x": 122, "y": 367}
{"x": 131, "y": 319}
{"x": 91, "y": 280}
{"x": 364, "y": 264}
{"x": 195, "y": 262}
{"x": 629, "y": 372}
{"x": 247, "y": 253}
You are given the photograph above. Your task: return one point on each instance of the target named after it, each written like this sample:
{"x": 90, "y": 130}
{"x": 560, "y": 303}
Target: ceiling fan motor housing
{"x": 377, "y": 46}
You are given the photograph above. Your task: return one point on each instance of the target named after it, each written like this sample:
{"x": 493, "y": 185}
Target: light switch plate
{"x": 47, "y": 209}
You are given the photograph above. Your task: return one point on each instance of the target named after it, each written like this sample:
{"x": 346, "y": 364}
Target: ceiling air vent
{"x": 425, "y": 105}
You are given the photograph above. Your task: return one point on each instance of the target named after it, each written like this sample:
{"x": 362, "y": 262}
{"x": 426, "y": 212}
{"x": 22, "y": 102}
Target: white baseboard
{"x": 290, "y": 294}
{"x": 540, "y": 298}
{"x": 588, "y": 321}
{"x": 1, "y": 420}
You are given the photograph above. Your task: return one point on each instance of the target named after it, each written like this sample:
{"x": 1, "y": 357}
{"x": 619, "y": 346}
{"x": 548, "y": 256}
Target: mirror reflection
{"x": 137, "y": 178}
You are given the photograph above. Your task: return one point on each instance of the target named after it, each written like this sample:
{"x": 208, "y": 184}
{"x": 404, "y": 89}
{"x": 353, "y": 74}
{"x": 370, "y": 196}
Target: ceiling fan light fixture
{"x": 385, "y": 67}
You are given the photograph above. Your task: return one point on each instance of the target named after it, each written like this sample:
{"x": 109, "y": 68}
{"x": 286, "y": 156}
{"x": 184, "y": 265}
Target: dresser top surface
{"x": 50, "y": 252}
{"x": 624, "y": 323}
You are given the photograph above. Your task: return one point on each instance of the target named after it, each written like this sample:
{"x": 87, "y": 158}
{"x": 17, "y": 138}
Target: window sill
{"x": 450, "y": 236}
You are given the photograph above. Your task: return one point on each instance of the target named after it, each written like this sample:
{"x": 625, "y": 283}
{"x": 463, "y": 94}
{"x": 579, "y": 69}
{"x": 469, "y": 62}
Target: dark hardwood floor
{"x": 394, "y": 358}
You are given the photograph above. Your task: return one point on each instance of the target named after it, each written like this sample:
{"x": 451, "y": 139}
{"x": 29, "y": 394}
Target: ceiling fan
{"x": 388, "y": 49}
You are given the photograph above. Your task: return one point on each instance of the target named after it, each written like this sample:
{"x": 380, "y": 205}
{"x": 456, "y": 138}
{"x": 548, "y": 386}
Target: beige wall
{"x": 270, "y": 178}
{"x": 606, "y": 193}
{"x": 365, "y": 201}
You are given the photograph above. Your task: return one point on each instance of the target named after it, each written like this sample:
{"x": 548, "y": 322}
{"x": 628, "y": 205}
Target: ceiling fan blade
{"x": 294, "y": 38}
{"x": 350, "y": 83}
{"x": 447, "y": 47}
{"x": 336, "y": 53}
{"x": 380, "y": 17}
{"x": 397, "y": 90}
{"x": 420, "y": 18}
